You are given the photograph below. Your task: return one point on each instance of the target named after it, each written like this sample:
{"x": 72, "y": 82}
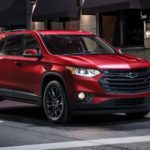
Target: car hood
{"x": 112, "y": 61}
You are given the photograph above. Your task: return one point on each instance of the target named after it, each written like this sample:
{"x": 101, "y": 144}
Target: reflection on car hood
{"x": 110, "y": 61}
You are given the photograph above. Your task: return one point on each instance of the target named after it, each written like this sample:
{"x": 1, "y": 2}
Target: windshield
{"x": 76, "y": 44}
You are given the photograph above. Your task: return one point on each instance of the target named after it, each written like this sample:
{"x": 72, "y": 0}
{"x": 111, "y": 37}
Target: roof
{"x": 45, "y": 32}
{"x": 63, "y": 32}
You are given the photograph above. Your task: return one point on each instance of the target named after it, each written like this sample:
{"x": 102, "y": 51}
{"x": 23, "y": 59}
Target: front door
{"x": 27, "y": 74}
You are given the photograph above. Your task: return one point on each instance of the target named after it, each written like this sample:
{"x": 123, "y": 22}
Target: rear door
{"x": 11, "y": 47}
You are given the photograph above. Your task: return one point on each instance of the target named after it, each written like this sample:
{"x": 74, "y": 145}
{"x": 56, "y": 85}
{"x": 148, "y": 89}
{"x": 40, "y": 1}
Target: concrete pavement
{"x": 27, "y": 125}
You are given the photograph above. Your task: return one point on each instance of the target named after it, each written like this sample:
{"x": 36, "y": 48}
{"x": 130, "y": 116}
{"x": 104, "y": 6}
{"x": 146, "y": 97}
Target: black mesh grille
{"x": 129, "y": 102}
{"x": 126, "y": 81}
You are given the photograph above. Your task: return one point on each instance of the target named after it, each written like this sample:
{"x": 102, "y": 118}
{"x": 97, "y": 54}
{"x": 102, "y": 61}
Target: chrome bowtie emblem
{"x": 131, "y": 75}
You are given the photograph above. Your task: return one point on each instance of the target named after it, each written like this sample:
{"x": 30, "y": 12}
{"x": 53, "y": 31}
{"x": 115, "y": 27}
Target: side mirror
{"x": 118, "y": 50}
{"x": 31, "y": 53}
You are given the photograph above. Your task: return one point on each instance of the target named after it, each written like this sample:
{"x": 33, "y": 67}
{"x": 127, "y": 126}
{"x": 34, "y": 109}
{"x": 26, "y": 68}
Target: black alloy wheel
{"x": 1, "y": 99}
{"x": 55, "y": 103}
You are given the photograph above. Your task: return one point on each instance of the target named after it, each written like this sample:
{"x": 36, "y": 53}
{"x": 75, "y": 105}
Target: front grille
{"x": 126, "y": 81}
{"x": 129, "y": 102}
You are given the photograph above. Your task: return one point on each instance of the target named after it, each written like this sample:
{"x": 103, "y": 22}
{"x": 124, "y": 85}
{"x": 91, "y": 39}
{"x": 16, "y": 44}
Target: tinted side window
{"x": 2, "y": 41}
{"x": 30, "y": 43}
{"x": 13, "y": 45}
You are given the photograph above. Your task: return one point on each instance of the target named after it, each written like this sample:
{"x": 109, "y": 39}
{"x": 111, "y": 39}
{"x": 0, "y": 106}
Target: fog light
{"x": 81, "y": 95}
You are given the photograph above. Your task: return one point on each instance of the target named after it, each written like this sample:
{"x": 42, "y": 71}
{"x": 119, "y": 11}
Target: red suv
{"x": 72, "y": 72}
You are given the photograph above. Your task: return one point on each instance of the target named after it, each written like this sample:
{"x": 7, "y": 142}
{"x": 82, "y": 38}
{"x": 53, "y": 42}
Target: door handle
{"x": 18, "y": 63}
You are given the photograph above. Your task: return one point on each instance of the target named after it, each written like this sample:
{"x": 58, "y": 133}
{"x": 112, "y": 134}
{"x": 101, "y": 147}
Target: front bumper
{"x": 102, "y": 102}
{"x": 114, "y": 106}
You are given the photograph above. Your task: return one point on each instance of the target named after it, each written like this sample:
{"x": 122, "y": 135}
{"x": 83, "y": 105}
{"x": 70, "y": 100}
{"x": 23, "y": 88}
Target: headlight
{"x": 83, "y": 71}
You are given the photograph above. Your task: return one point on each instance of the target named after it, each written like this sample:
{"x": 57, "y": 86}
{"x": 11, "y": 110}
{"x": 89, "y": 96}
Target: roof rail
{"x": 13, "y": 30}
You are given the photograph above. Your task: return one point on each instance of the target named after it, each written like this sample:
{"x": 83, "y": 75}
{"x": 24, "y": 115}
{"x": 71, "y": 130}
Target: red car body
{"x": 123, "y": 84}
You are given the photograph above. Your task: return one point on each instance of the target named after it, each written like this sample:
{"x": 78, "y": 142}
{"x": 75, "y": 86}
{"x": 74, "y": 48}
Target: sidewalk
{"x": 138, "y": 51}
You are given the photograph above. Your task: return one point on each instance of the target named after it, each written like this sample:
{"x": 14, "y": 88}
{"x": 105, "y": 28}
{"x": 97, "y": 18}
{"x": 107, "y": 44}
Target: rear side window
{"x": 13, "y": 45}
{"x": 2, "y": 41}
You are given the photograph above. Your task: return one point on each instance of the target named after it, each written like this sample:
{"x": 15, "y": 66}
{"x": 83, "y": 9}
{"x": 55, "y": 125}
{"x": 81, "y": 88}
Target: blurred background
{"x": 123, "y": 23}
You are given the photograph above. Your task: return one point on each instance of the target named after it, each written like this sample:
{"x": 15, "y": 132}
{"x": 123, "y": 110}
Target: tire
{"x": 55, "y": 103}
{"x": 137, "y": 115}
{"x": 1, "y": 99}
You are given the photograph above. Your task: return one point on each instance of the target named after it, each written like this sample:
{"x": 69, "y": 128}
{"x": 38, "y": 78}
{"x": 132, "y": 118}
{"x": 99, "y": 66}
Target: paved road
{"x": 24, "y": 126}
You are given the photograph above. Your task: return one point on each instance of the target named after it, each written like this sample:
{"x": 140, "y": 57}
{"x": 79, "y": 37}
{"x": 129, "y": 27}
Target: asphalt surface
{"x": 22, "y": 124}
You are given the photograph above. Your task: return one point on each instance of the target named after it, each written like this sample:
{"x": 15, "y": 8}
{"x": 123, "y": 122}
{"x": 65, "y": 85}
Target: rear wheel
{"x": 55, "y": 103}
{"x": 137, "y": 114}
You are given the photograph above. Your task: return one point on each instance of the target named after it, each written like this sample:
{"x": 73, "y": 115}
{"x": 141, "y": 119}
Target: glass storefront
{"x": 88, "y": 23}
{"x": 133, "y": 29}
{"x": 147, "y": 34}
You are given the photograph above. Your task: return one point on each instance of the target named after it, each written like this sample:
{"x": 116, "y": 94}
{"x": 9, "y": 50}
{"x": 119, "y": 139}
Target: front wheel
{"x": 137, "y": 115}
{"x": 55, "y": 103}
{"x": 1, "y": 99}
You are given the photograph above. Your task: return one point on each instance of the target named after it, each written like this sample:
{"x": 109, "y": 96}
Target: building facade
{"x": 123, "y": 23}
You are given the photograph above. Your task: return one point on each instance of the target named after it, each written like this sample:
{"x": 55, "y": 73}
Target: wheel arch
{"x": 51, "y": 76}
